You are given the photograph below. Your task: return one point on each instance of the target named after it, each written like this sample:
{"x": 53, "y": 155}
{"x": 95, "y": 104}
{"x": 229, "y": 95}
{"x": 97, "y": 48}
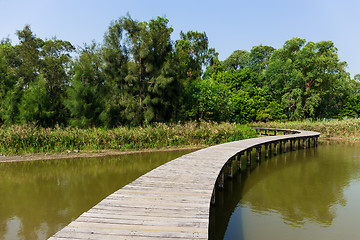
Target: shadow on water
{"x": 39, "y": 198}
{"x": 302, "y": 186}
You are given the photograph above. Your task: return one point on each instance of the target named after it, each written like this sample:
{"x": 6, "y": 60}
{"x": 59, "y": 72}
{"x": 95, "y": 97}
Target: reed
{"x": 346, "y": 129}
{"x": 18, "y": 139}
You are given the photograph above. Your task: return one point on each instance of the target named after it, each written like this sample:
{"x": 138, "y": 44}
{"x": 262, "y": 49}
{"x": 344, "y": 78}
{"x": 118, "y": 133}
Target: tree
{"x": 239, "y": 59}
{"x": 351, "y": 107}
{"x": 150, "y": 48}
{"x": 20, "y": 67}
{"x": 10, "y": 89}
{"x": 28, "y": 60}
{"x": 257, "y": 105}
{"x": 242, "y": 79}
{"x": 115, "y": 58}
{"x": 309, "y": 78}
{"x": 85, "y": 100}
{"x": 259, "y": 58}
{"x": 35, "y": 104}
{"x": 208, "y": 100}
{"x": 54, "y": 66}
{"x": 193, "y": 53}
{"x": 251, "y": 103}
{"x": 138, "y": 57}
{"x": 6, "y": 82}
{"x": 28, "y": 56}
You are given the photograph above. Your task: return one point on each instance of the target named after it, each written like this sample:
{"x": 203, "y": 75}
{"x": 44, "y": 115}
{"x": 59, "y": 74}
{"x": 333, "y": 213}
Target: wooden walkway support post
{"x": 229, "y": 168}
{"x": 275, "y": 148}
{"x": 213, "y": 197}
{"x": 304, "y": 143}
{"x": 221, "y": 180}
{"x": 294, "y": 145}
{"x": 266, "y": 150}
{"x": 248, "y": 157}
{"x": 238, "y": 158}
{"x": 258, "y": 152}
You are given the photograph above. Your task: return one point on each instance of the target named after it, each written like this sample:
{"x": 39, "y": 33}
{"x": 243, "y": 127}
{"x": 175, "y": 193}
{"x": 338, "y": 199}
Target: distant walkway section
{"x": 173, "y": 201}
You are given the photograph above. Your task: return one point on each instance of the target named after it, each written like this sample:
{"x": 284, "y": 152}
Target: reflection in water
{"x": 304, "y": 194}
{"x": 39, "y": 198}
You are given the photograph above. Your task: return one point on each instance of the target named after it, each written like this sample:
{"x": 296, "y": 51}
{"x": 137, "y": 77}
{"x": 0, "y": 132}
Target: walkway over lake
{"x": 173, "y": 201}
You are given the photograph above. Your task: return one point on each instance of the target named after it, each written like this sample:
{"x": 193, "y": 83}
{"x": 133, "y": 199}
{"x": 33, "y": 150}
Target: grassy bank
{"x": 19, "y": 139}
{"x": 347, "y": 129}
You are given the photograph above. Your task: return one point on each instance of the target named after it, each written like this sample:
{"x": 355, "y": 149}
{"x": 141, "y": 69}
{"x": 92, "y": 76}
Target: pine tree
{"x": 86, "y": 93}
{"x": 35, "y": 104}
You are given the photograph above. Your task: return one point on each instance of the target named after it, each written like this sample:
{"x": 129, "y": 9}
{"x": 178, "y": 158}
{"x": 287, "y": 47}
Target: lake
{"x": 38, "y": 198}
{"x": 305, "y": 194}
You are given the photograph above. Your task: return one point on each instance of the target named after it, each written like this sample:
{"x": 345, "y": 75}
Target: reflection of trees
{"x": 302, "y": 186}
{"x": 306, "y": 189}
{"x": 47, "y": 195}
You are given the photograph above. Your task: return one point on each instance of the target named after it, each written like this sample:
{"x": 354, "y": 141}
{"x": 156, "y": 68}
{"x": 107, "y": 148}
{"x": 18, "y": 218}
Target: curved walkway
{"x": 173, "y": 201}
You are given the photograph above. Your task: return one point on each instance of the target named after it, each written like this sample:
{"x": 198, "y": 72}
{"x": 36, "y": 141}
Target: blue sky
{"x": 230, "y": 25}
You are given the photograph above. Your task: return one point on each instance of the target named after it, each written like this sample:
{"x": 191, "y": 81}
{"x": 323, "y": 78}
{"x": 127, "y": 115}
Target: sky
{"x": 230, "y": 25}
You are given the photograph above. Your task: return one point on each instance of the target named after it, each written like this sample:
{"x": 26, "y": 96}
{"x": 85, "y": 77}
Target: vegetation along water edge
{"x": 21, "y": 139}
{"x": 346, "y": 129}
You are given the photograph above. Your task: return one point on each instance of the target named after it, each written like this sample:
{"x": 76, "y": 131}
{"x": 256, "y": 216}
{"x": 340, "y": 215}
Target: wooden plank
{"x": 106, "y": 233}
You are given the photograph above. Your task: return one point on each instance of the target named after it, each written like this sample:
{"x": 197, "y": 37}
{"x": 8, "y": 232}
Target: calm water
{"x": 306, "y": 194}
{"x": 39, "y": 198}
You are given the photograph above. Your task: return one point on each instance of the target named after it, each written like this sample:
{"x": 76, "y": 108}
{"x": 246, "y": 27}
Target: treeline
{"x": 138, "y": 75}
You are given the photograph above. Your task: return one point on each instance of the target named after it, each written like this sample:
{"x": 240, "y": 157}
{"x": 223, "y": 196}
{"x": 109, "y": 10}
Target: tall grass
{"x": 30, "y": 139}
{"x": 347, "y": 128}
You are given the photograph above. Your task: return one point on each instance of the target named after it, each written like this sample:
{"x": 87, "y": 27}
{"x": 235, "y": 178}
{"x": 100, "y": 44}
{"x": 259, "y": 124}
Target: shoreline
{"x": 111, "y": 152}
{"x": 85, "y": 154}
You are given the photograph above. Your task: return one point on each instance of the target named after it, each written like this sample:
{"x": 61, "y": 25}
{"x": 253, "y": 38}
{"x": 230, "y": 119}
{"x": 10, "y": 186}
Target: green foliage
{"x": 35, "y": 104}
{"x": 308, "y": 78}
{"x": 27, "y": 56}
{"x": 86, "y": 93}
{"x": 273, "y": 111}
{"x": 214, "y": 67}
{"x": 33, "y": 59}
{"x": 259, "y": 58}
{"x": 250, "y": 101}
{"x": 10, "y": 105}
{"x": 54, "y": 66}
{"x": 256, "y": 106}
{"x": 237, "y": 60}
{"x": 192, "y": 53}
{"x": 351, "y": 107}
{"x": 5, "y": 78}
{"x": 139, "y": 73}
{"x": 207, "y": 100}
{"x": 236, "y": 80}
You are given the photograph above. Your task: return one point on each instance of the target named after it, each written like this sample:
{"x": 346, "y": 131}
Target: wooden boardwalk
{"x": 173, "y": 200}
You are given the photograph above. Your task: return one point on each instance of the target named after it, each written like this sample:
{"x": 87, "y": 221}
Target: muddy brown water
{"x": 38, "y": 198}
